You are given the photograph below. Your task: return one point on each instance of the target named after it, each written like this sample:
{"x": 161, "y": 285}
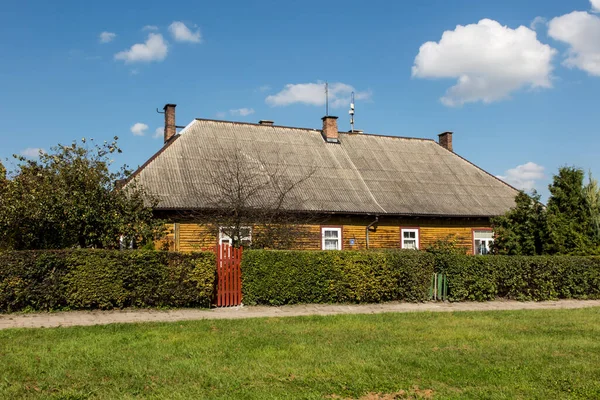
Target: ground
{"x": 524, "y": 354}
{"x": 86, "y": 318}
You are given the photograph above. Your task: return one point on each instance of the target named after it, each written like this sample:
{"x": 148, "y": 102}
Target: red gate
{"x": 229, "y": 275}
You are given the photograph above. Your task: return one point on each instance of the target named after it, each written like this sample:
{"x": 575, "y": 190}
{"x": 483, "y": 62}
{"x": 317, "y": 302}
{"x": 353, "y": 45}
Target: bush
{"x": 88, "y": 279}
{"x": 536, "y": 278}
{"x": 290, "y": 277}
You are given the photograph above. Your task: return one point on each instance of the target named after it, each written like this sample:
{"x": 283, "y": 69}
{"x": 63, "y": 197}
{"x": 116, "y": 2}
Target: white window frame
{"x": 224, "y": 238}
{"x": 339, "y": 238}
{"x": 416, "y": 231}
{"x": 488, "y": 241}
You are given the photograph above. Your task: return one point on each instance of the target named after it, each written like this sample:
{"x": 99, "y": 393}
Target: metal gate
{"x": 229, "y": 275}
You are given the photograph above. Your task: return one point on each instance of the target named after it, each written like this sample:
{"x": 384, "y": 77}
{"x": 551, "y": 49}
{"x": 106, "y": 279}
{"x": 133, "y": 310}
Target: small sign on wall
{"x": 351, "y": 242}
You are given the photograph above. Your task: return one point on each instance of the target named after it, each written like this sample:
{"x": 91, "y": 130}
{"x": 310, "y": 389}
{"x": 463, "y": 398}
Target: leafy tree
{"x": 569, "y": 221}
{"x": 522, "y": 230}
{"x": 448, "y": 245}
{"x": 67, "y": 198}
{"x": 592, "y": 197}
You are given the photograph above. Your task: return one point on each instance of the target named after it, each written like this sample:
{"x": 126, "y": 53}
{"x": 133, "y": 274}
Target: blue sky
{"x": 521, "y": 96}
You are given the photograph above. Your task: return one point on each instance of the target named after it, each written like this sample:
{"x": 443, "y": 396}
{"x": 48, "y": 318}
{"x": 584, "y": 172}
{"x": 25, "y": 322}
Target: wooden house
{"x": 369, "y": 191}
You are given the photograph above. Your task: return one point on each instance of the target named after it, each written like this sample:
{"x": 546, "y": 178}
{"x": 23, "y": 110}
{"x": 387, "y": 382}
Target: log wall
{"x": 187, "y": 236}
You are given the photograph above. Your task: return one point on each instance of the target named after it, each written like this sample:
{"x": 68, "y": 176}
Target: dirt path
{"x": 84, "y": 318}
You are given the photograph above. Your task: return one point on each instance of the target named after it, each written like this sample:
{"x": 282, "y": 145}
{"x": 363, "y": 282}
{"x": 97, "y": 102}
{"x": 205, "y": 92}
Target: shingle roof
{"x": 364, "y": 173}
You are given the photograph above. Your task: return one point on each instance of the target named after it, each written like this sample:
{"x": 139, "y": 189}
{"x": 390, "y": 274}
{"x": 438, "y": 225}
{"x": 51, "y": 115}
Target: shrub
{"x": 88, "y": 279}
{"x": 536, "y": 278}
{"x": 290, "y": 277}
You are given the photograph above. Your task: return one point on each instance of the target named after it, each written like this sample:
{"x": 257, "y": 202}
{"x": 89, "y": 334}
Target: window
{"x": 245, "y": 235}
{"x": 482, "y": 241}
{"x": 410, "y": 238}
{"x": 331, "y": 238}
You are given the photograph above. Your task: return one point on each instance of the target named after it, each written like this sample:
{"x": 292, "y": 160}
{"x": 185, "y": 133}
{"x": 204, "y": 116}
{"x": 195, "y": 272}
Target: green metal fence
{"x": 438, "y": 291}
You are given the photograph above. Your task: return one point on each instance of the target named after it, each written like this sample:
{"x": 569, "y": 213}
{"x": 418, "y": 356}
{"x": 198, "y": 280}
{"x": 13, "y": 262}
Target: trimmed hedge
{"x": 87, "y": 279}
{"x": 104, "y": 279}
{"x": 537, "y": 278}
{"x": 279, "y": 277}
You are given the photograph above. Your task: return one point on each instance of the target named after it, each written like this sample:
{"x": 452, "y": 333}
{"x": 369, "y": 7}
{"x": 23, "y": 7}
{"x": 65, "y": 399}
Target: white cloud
{"x": 538, "y": 21}
{"x": 150, "y": 28}
{"x": 264, "y": 88}
{"x": 32, "y": 152}
{"x": 154, "y": 49}
{"x": 523, "y": 176}
{"x": 242, "y": 111}
{"x": 314, "y": 94}
{"x": 595, "y": 6}
{"x": 581, "y": 31}
{"x": 221, "y": 114}
{"x": 182, "y": 33}
{"x": 159, "y": 132}
{"x": 489, "y": 61}
{"x": 139, "y": 129}
{"x": 106, "y": 37}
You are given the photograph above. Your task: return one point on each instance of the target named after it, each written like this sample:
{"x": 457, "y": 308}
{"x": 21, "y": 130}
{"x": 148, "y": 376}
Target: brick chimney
{"x": 330, "y": 129}
{"x": 170, "y": 129}
{"x": 445, "y": 140}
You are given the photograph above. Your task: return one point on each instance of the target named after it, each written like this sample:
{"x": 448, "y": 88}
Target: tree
{"x": 247, "y": 191}
{"x": 592, "y": 197}
{"x": 569, "y": 222}
{"x": 67, "y": 198}
{"x": 522, "y": 230}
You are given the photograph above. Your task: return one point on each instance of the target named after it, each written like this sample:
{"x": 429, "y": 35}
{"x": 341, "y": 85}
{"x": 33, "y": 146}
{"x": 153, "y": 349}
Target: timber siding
{"x": 189, "y": 236}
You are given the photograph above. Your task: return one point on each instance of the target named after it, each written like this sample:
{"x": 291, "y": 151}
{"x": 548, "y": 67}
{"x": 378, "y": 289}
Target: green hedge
{"x": 287, "y": 277}
{"x": 481, "y": 278}
{"x": 87, "y": 279}
{"x": 90, "y": 279}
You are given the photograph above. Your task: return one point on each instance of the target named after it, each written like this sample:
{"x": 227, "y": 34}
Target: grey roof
{"x": 364, "y": 173}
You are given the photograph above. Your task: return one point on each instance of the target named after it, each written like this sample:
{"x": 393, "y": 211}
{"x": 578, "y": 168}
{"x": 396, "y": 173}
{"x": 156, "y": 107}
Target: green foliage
{"x": 289, "y": 277}
{"x": 67, "y": 198}
{"x": 448, "y": 245}
{"x": 592, "y": 200}
{"x": 521, "y": 277}
{"x": 522, "y": 230}
{"x": 568, "y": 218}
{"x": 569, "y": 224}
{"x": 89, "y": 279}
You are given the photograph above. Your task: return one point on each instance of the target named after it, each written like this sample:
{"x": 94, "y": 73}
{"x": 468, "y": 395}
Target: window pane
{"x": 410, "y": 244}
{"x": 484, "y": 235}
{"x": 329, "y": 233}
{"x": 245, "y": 232}
{"x": 331, "y": 244}
{"x": 482, "y": 246}
{"x": 410, "y": 235}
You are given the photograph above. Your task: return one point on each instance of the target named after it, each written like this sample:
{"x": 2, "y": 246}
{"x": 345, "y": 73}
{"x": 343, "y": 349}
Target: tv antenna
{"x": 351, "y": 112}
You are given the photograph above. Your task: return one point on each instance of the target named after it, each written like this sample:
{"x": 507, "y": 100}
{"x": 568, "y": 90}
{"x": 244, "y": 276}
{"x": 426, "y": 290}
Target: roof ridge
{"x": 310, "y": 129}
{"x": 388, "y": 136}
{"x": 256, "y": 124}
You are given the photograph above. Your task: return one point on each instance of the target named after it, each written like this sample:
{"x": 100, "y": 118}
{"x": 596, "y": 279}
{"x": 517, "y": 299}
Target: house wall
{"x": 188, "y": 236}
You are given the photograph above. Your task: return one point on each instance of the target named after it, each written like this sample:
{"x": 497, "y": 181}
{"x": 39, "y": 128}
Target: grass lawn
{"x": 545, "y": 354}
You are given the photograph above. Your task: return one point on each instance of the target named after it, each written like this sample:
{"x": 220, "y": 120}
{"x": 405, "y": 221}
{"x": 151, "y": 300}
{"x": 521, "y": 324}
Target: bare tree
{"x": 244, "y": 191}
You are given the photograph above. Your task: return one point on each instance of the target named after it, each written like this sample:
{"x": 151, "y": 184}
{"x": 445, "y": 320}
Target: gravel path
{"x": 85, "y": 318}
